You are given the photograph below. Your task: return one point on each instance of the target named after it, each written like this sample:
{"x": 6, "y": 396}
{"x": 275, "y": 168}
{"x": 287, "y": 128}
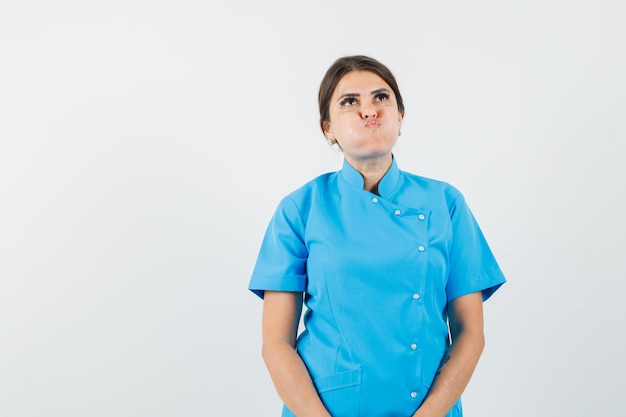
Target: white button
{"x": 414, "y": 346}
{"x": 416, "y": 296}
{"x": 374, "y": 200}
{"x": 414, "y": 394}
{"x": 420, "y": 248}
{"x": 397, "y": 212}
{"x": 421, "y": 217}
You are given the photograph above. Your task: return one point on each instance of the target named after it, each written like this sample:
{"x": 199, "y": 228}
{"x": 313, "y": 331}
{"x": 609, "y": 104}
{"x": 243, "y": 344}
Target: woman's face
{"x": 364, "y": 117}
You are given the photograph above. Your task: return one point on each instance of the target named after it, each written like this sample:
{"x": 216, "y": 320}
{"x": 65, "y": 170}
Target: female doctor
{"x": 392, "y": 268}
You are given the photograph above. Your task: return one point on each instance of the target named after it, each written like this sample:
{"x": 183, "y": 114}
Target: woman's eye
{"x": 348, "y": 101}
{"x": 382, "y": 97}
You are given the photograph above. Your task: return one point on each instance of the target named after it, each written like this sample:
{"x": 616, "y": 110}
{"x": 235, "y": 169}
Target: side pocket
{"x": 341, "y": 393}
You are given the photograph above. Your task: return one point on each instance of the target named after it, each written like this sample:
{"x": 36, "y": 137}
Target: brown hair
{"x": 344, "y": 65}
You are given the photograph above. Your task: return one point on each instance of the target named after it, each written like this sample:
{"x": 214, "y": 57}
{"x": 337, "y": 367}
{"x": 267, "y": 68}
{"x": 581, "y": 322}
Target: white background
{"x": 145, "y": 144}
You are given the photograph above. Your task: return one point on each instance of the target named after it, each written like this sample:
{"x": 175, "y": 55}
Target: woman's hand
{"x": 455, "y": 371}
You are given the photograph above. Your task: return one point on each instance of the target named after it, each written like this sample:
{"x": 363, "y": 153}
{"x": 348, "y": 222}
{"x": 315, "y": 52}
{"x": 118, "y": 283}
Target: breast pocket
{"x": 341, "y": 393}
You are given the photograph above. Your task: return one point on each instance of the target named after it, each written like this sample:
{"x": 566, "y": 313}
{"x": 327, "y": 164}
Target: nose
{"x": 368, "y": 111}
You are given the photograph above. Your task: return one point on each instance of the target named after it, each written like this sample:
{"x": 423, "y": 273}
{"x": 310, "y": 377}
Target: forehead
{"x": 360, "y": 82}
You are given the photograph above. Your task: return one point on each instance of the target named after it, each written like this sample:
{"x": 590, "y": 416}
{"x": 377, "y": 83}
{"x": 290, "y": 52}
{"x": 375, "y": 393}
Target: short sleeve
{"x": 473, "y": 266}
{"x": 281, "y": 264}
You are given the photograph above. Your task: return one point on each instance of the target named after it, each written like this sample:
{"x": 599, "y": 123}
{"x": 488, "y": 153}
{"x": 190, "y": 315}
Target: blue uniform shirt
{"x": 377, "y": 272}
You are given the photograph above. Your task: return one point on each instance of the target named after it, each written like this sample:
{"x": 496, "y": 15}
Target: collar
{"x": 385, "y": 186}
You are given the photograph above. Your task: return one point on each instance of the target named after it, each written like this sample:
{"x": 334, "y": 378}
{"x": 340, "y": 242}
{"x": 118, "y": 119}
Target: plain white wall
{"x": 145, "y": 144}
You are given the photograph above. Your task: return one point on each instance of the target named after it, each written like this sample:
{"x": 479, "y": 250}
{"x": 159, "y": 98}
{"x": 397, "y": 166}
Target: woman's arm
{"x": 455, "y": 371}
{"x": 281, "y": 315}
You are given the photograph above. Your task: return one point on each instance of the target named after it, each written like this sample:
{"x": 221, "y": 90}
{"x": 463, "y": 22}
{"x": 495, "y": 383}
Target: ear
{"x": 326, "y": 129}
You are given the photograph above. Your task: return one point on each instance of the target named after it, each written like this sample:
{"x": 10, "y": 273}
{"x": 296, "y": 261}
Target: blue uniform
{"x": 377, "y": 272}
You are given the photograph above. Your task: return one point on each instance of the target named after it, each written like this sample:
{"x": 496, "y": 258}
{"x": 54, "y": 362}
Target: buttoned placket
{"x": 416, "y": 296}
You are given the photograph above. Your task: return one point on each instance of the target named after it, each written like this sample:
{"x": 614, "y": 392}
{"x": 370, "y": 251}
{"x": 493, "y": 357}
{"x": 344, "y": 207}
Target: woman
{"x": 392, "y": 268}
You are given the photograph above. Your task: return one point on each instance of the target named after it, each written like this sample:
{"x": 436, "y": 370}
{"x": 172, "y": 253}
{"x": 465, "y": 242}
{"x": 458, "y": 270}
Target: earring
{"x": 334, "y": 145}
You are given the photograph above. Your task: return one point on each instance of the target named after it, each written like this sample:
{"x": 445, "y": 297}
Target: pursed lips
{"x": 372, "y": 123}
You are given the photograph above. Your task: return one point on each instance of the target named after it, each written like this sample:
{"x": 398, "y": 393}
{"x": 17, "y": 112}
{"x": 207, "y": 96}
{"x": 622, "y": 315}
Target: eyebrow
{"x": 373, "y": 93}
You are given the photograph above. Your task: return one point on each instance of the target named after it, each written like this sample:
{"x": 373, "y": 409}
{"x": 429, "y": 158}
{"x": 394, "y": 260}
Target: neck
{"x": 372, "y": 170}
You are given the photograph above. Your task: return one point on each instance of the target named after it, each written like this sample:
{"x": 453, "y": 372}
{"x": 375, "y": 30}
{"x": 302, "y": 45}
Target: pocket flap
{"x": 338, "y": 381}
